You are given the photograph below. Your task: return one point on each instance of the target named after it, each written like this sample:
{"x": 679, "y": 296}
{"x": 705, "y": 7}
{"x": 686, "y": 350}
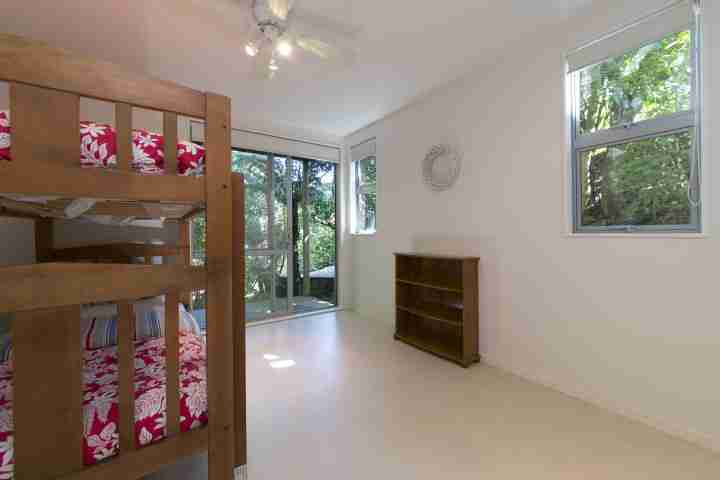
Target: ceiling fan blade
{"x": 280, "y": 8}
{"x": 261, "y": 64}
{"x": 323, "y": 37}
{"x": 307, "y": 24}
{"x": 319, "y": 48}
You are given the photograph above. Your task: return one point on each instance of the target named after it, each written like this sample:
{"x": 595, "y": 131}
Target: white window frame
{"x": 360, "y": 189}
{"x": 643, "y": 130}
{"x": 361, "y": 152}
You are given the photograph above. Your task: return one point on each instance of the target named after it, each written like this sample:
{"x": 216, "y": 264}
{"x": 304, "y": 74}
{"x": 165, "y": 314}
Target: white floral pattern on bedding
{"x": 100, "y": 400}
{"x": 98, "y": 148}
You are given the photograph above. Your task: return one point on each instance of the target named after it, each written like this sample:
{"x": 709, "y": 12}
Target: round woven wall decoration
{"x": 441, "y": 167}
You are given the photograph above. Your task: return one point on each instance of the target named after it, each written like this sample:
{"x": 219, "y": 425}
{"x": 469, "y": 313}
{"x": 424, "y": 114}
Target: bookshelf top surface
{"x": 439, "y": 256}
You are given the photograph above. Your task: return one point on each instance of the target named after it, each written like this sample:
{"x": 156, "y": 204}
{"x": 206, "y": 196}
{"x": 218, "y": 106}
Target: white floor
{"x": 358, "y": 405}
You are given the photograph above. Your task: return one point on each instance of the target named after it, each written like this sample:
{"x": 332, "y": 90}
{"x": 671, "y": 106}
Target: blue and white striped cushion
{"x": 6, "y": 349}
{"x": 101, "y": 332}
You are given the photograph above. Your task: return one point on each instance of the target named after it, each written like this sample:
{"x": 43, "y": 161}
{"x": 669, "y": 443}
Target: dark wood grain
{"x": 436, "y": 299}
{"x": 44, "y": 239}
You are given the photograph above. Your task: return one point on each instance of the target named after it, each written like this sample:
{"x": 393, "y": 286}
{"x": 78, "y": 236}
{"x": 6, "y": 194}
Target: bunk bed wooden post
{"x": 185, "y": 256}
{"x": 46, "y": 85}
{"x": 123, "y": 126}
{"x": 48, "y": 413}
{"x": 238, "y": 187}
{"x": 220, "y": 372}
{"x": 45, "y": 342}
{"x": 126, "y": 376}
{"x": 43, "y": 239}
{"x": 172, "y": 364}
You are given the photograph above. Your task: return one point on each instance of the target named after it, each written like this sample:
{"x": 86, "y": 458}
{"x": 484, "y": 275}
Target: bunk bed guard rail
{"x": 46, "y": 85}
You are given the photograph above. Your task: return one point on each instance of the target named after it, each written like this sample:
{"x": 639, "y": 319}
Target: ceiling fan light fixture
{"x": 251, "y": 49}
{"x": 284, "y": 48}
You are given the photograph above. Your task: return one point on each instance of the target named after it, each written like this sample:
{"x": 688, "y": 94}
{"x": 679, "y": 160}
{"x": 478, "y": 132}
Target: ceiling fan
{"x": 278, "y": 30}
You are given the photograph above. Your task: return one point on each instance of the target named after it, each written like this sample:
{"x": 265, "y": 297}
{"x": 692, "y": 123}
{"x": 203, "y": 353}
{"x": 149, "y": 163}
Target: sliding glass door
{"x": 290, "y": 230}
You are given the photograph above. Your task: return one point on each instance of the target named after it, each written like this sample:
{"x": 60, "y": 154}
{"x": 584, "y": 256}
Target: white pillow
{"x": 188, "y": 322}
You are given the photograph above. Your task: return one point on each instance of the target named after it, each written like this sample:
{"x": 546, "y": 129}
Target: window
{"x": 635, "y": 127}
{"x": 197, "y": 240}
{"x": 364, "y": 174}
{"x": 198, "y": 298}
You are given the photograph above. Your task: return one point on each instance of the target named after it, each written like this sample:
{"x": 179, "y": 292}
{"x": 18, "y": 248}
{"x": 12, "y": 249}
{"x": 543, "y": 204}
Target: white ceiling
{"x": 404, "y": 49}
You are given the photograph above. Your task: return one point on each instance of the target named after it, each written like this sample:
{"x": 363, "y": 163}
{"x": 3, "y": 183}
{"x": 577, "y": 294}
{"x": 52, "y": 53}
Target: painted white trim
{"x": 672, "y": 18}
{"x": 678, "y": 235}
{"x": 279, "y": 144}
{"x": 286, "y": 318}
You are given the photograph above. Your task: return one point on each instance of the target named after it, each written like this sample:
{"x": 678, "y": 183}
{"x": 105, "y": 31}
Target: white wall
{"x": 17, "y": 237}
{"x": 73, "y": 233}
{"x": 627, "y": 323}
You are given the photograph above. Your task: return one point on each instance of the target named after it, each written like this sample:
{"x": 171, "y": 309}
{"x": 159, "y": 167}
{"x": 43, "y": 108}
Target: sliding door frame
{"x": 289, "y": 249}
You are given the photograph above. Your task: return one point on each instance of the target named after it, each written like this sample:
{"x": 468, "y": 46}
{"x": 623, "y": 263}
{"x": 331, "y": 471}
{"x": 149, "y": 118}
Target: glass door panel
{"x": 258, "y": 197}
{"x": 314, "y": 235}
{"x": 266, "y": 239}
{"x": 265, "y": 287}
{"x": 291, "y": 249}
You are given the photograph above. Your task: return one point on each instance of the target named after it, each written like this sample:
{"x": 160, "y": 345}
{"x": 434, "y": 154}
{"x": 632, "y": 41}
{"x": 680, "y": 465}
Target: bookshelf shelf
{"x": 437, "y": 311}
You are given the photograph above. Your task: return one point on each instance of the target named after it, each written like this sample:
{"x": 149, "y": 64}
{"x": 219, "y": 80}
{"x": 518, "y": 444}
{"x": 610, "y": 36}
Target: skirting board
{"x": 241, "y": 472}
{"x": 285, "y": 318}
{"x": 689, "y": 435}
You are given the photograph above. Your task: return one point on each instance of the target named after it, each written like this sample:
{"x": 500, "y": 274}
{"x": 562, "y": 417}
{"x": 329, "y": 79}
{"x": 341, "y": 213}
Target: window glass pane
{"x": 642, "y": 84}
{"x": 258, "y": 198}
{"x": 314, "y": 235}
{"x": 366, "y": 171}
{"x": 638, "y": 183}
{"x": 265, "y": 285}
{"x": 280, "y": 204}
{"x": 197, "y": 240}
{"x": 366, "y": 212}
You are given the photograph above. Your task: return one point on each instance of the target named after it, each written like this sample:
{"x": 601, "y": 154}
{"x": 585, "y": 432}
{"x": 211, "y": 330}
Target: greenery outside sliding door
{"x": 291, "y": 248}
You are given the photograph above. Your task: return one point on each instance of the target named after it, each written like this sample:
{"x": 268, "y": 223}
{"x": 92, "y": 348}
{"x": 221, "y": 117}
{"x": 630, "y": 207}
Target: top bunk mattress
{"x": 98, "y": 149}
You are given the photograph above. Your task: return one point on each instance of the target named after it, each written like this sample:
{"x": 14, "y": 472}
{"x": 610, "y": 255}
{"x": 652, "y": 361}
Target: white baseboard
{"x": 285, "y": 318}
{"x": 690, "y": 435}
{"x": 241, "y": 472}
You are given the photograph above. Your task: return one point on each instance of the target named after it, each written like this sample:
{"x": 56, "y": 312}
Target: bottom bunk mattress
{"x": 100, "y": 399}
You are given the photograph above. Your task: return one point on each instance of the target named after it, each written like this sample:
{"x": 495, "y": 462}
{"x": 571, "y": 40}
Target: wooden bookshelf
{"x": 436, "y": 300}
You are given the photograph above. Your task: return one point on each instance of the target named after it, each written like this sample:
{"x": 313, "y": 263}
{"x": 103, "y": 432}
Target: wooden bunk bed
{"x": 46, "y": 85}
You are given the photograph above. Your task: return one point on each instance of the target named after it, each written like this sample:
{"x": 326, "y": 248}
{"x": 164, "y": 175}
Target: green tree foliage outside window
{"x": 643, "y": 182}
{"x": 366, "y": 194}
{"x": 266, "y": 200}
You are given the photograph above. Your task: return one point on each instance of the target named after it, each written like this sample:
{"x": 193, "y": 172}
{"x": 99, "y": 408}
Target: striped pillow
{"x": 150, "y": 317}
{"x": 100, "y": 322}
{"x": 100, "y": 332}
{"x": 6, "y": 349}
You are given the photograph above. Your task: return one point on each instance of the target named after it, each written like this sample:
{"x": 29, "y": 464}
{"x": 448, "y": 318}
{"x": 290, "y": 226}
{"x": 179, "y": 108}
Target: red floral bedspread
{"x": 98, "y": 148}
{"x": 100, "y": 402}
